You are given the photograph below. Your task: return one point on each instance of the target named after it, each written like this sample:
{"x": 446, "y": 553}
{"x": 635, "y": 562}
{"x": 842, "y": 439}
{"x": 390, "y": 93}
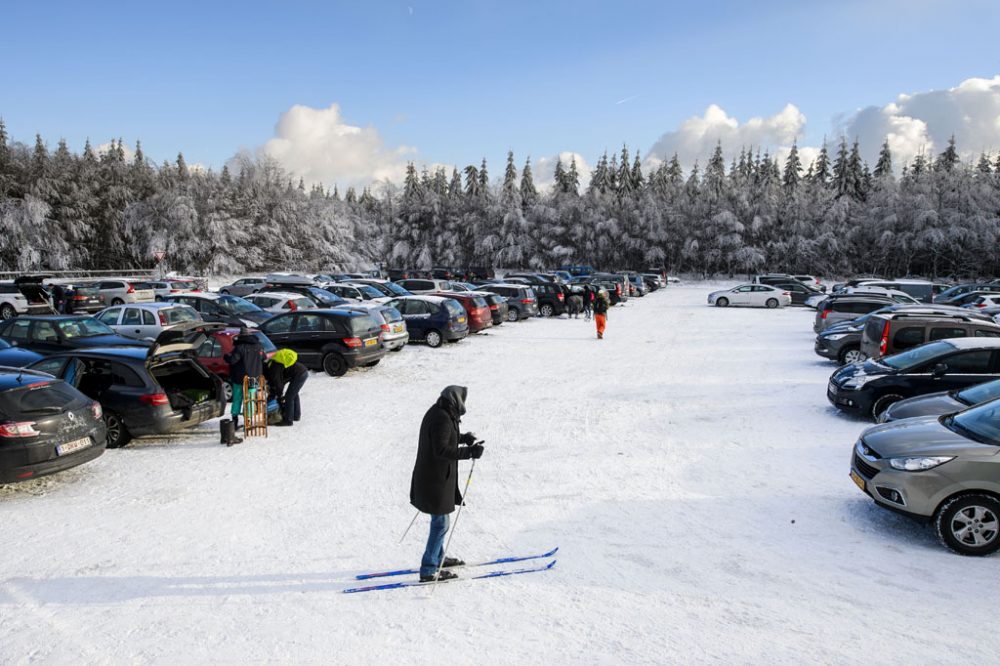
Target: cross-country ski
{"x": 499, "y": 573}
{"x": 468, "y": 565}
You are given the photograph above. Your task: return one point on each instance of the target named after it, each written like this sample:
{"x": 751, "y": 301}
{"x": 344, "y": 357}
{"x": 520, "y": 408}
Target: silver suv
{"x": 944, "y": 469}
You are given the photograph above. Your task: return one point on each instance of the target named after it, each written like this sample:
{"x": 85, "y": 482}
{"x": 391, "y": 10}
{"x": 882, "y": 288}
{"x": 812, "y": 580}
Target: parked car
{"x": 940, "y": 469}
{"x": 77, "y": 297}
{"x": 280, "y": 301}
{"x": 891, "y": 294}
{"x": 321, "y": 297}
{"x": 220, "y": 341}
{"x": 46, "y": 426}
{"x": 476, "y": 309}
{"x": 637, "y": 285}
{"x": 893, "y": 332}
{"x": 750, "y": 295}
{"x": 223, "y": 308}
{"x": 521, "y": 300}
{"x": 798, "y": 291}
{"x": 551, "y": 299}
{"x": 941, "y": 403}
{"x": 356, "y": 293}
{"x": 424, "y": 285}
{"x": 158, "y": 390}
{"x": 962, "y": 289}
{"x": 12, "y": 301}
{"x": 118, "y": 291}
{"x": 835, "y": 309}
{"x": 773, "y": 278}
{"x": 811, "y": 281}
{"x": 387, "y": 287}
{"x": 869, "y": 387}
{"x": 394, "y": 332}
{"x": 432, "y": 319}
{"x": 49, "y": 334}
{"x": 920, "y": 290}
{"x": 578, "y": 270}
{"x": 33, "y": 288}
{"x": 16, "y": 357}
{"x": 498, "y": 306}
{"x": 984, "y": 301}
{"x": 654, "y": 281}
{"x": 163, "y": 288}
{"x": 969, "y": 296}
{"x": 244, "y": 287}
{"x": 145, "y": 321}
{"x": 333, "y": 340}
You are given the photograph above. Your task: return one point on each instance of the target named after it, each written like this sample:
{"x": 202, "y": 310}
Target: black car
{"x": 962, "y": 289}
{"x": 155, "y": 391}
{"x": 521, "y": 300}
{"x": 323, "y": 298}
{"x": 223, "y": 308}
{"x": 46, "y": 426}
{"x": 333, "y": 340}
{"x": 551, "y": 299}
{"x": 798, "y": 290}
{"x": 869, "y": 387}
{"x": 76, "y": 298}
{"x": 498, "y": 306}
{"x": 48, "y": 334}
{"x": 386, "y": 287}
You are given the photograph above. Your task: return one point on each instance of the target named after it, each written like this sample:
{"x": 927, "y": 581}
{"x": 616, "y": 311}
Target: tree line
{"x": 835, "y": 216}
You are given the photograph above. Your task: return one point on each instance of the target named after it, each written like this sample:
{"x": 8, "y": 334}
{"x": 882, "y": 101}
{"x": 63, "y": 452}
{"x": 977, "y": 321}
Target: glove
{"x": 476, "y": 451}
{"x": 467, "y": 438}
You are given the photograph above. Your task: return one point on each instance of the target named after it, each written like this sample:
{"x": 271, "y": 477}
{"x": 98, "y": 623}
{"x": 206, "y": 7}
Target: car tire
{"x": 771, "y": 303}
{"x": 722, "y": 302}
{"x": 513, "y": 314}
{"x": 970, "y": 524}
{"x": 883, "y": 402}
{"x": 118, "y": 434}
{"x": 547, "y": 310}
{"x": 335, "y": 365}
{"x": 433, "y": 339}
{"x": 372, "y": 364}
{"x": 7, "y": 311}
{"x": 851, "y": 354}
{"x": 117, "y": 301}
{"x": 398, "y": 349}
{"x": 224, "y": 292}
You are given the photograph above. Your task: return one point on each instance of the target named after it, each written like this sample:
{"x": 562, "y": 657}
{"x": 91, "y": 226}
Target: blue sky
{"x": 459, "y": 80}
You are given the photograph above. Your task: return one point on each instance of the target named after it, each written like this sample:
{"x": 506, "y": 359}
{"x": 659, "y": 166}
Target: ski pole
{"x": 454, "y": 525}
{"x": 409, "y": 526}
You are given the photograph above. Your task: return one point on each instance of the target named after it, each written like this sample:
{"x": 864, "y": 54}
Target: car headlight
{"x": 918, "y": 464}
{"x": 857, "y": 381}
{"x": 835, "y": 336}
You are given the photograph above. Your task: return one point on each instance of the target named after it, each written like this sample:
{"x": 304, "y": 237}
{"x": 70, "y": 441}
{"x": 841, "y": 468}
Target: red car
{"x": 480, "y": 316}
{"x": 212, "y": 352}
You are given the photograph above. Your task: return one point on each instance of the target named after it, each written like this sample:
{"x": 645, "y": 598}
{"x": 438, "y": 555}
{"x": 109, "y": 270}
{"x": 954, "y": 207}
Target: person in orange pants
{"x": 601, "y": 312}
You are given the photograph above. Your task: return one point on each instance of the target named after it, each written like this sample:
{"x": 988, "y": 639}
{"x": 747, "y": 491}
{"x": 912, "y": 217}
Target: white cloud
{"x": 544, "y": 169}
{"x": 925, "y": 121}
{"x": 105, "y": 147}
{"x": 319, "y": 146}
{"x": 697, "y": 136}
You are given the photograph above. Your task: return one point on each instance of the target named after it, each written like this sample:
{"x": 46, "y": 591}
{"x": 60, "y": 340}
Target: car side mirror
{"x": 939, "y": 370}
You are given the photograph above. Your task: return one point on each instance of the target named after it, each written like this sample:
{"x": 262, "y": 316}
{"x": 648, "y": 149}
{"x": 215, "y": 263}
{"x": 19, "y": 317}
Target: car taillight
{"x": 561, "y": 297}
{"x": 131, "y": 290}
{"x": 352, "y": 342}
{"x": 825, "y": 313}
{"x": 79, "y": 298}
{"x": 884, "y": 344}
{"x": 981, "y": 305}
{"x": 291, "y": 305}
{"x": 494, "y": 306}
{"x": 385, "y": 327}
{"x": 95, "y": 407}
{"x": 786, "y": 293}
{"x": 526, "y": 300}
{"x": 155, "y": 399}
{"x": 18, "y": 429}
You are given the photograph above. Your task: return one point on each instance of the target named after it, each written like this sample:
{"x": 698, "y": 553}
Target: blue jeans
{"x": 435, "y": 546}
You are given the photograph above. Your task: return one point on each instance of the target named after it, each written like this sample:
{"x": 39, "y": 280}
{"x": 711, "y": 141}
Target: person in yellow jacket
{"x": 285, "y": 378}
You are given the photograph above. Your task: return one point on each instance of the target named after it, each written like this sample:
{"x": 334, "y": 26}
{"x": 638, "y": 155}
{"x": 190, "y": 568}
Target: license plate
{"x": 398, "y": 328}
{"x": 856, "y": 478}
{"x": 70, "y": 447}
{"x": 371, "y": 342}
{"x": 461, "y": 320}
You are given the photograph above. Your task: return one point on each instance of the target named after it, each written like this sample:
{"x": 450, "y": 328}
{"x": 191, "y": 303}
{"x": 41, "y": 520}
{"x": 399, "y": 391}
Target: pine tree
{"x": 509, "y": 193}
{"x": 983, "y": 167}
{"x": 855, "y": 173}
{"x": 947, "y": 160}
{"x": 302, "y": 185}
{"x": 39, "y": 159}
{"x": 841, "y": 174}
{"x": 471, "y": 181}
{"x": 624, "y": 175}
{"x": 411, "y": 184}
{"x": 715, "y": 172}
{"x": 484, "y": 180}
{"x": 182, "y": 169}
{"x": 351, "y": 197}
{"x": 637, "y": 179}
{"x": 883, "y": 168}
{"x": 572, "y": 178}
{"x": 226, "y": 179}
{"x": 559, "y": 177}
{"x": 821, "y": 170}
{"x": 529, "y": 194}
{"x": 793, "y": 169}
{"x": 455, "y": 186}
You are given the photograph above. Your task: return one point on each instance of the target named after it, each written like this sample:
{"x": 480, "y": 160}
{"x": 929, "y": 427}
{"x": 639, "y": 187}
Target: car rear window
{"x": 180, "y": 314}
{"x": 49, "y": 396}
{"x": 362, "y": 324}
{"x": 391, "y": 315}
{"x": 480, "y": 302}
{"x": 528, "y": 293}
{"x": 454, "y": 308}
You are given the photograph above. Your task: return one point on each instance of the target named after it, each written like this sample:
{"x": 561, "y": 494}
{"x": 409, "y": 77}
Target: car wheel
{"x": 335, "y": 365}
{"x": 227, "y": 391}
{"x": 513, "y": 314}
{"x": 118, "y": 435}
{"x": 970, "y": 524}
{"x": 7, "y": 311}
{"x": 722, "y": 302}
{"x": 433, "y": 339}
{"x": 547, "y": 310}
{"x": 117, "y": 301}
{"x": 772, "y": 303}
{"x": 224, "y": 292}
{"x": 850, "y": 355}
{"x": 883, "y": 402}
{"x": 397, "y": 349}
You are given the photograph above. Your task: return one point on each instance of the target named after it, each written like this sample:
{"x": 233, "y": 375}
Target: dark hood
{"x": 921, "y": 436}
{"x": 933, "y": 404}
{"x": 454, "y": 398}
{"x": 868, "y": 367}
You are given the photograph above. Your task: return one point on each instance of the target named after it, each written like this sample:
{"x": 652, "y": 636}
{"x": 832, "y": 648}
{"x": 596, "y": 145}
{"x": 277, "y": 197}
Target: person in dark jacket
{"x": 284, "y": 370}
{"x": 601, "y": 312}
{"x": 434, "y": 484}
{"x": 246, "y": 360}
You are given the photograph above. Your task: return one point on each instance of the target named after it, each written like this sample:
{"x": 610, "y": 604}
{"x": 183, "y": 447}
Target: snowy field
{"x": 688, "y": 467}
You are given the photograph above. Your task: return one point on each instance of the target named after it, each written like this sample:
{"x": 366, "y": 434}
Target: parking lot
{"x": 689, "y": 467}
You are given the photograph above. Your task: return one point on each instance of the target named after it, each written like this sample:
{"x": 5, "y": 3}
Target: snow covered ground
{"x": 688, "y": 467}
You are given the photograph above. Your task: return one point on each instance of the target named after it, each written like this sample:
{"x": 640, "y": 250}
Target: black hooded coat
{"x": 434, "y": 485}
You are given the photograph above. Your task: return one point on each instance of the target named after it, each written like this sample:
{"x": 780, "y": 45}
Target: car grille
{"x": 862, "y": 466}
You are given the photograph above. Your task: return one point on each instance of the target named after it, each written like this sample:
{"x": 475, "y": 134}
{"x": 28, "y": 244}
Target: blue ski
{"x": 500, "y": 560}
{"x": 415, "y": 583}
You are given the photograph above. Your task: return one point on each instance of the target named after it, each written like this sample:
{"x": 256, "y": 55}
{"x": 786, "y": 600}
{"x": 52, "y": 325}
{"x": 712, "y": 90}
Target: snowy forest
{"x": 938, "y": 216}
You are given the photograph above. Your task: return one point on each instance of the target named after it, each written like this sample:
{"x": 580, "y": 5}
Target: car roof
{"x": 9, "y": 377}
{"x": 343, "y": 311}
{"x": 123, "y": 352}
{"x": 280, "y": 294}
{"x": 159, "y": 305}
{"x": 201, "y": 294}
{"x": 54, "y": 317}
{"x": 517, "y": 285}
{"x": 426, "y": 297}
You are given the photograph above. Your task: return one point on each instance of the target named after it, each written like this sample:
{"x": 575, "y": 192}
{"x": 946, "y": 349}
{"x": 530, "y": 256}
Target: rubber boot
{"x": 223, "y": 424}
{"x": 231, "y": 437}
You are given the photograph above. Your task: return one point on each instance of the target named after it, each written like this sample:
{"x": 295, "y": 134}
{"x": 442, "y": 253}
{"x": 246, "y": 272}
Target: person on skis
{"x": 434, "y": 484}
{"x": 601, "y": 312}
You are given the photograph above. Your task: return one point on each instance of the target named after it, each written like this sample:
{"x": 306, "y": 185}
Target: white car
{"x": 145, "y": 321}
{"x": 894, "y": 294}
{"x": 12, "y": 301}
{"x": 356, "y": 292}
{"x": 281, "y": 301}
{"x": 116, "y": 291}
{"x": 751, "y": 295}
{"x": 985, "y": 301}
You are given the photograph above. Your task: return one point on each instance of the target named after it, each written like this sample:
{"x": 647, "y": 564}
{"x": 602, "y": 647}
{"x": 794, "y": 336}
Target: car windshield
{"x": 265, "y": 342}
{"x": 975, "y": 395}
{"x": 4, "y": 344}
{"x": 480, "y": 302}
{"x": 238, "y": 305}
{"x": 83, "y": 328}
{"x": 454, "y": 309}
{"x": 324, "y": 296}
{"x": 918, "y": 355}
{"x": 369, "y": 291}
{"x": 180, "y": 314}
{"x": 982, "y": 423}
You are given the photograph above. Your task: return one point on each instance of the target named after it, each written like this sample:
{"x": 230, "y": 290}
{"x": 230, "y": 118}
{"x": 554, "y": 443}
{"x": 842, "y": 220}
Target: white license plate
{"x": 70, "y": 447}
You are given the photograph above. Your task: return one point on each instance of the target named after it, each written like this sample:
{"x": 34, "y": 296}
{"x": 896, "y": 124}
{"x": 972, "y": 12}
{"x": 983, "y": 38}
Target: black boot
{"x": 443, "y": 575}
{"x": 452, "y": 562}
{"x": 231, "y": 437}
{"x": 223, "y": 425}
{"x": 236, "y": 421}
